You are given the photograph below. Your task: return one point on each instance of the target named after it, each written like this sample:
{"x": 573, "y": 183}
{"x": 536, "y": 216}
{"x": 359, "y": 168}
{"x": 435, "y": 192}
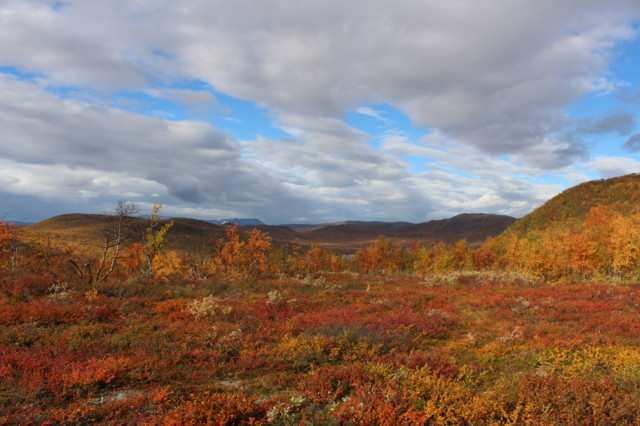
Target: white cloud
{"x": 370, "y": 112}
{"x": 67, "y": 149}
{"x": 490, "y": 80}
{"x": 89, "y": 146}
{"x": 190, "y": 211}
{"x": 60, "y": 182}
{"x": 495, "y": 76}
{"x": 608, "y": 167}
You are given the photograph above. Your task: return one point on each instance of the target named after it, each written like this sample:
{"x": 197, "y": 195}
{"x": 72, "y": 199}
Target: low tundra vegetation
{"x": 389, "y": 336}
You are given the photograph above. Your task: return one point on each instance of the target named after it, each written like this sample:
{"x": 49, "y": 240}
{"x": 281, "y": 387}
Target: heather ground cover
{"x": 329, "y": 348}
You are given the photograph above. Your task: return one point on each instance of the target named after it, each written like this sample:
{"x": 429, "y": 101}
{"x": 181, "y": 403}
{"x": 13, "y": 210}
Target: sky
{"x": 313, "y": 111}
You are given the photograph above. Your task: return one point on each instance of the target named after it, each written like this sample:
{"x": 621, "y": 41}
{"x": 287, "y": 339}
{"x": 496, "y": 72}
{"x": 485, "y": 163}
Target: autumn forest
{"x": 138, "y": 321}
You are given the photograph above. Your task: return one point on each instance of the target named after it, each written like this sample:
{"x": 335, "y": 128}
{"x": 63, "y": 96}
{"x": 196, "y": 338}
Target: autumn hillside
{"x": 89, "y": 229}
{"x": 588, "y": 232}
{"x": 621, "y": 194}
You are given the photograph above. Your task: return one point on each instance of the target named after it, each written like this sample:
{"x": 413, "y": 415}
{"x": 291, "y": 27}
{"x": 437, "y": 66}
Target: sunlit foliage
{"x": 243, "y": 258}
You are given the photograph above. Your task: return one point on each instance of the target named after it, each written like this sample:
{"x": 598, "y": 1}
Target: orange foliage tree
{"x": 382, "y": 256}
{"x": 441, "y": 258}
{"x": 605, "y": 243}
{"x": 625, "y": 244}
{"x": 243, "y": 258}
{"x": 8, "y": 243}
{"x": 487, "y": 255}
{"x": 312, "y": 261}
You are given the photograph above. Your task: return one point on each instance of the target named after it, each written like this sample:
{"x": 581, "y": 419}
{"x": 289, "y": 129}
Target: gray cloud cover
{"x": 633, "y": 143}
{"x": 493, "y": 77}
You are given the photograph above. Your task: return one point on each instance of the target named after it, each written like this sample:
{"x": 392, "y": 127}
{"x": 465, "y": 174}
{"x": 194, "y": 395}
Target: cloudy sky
{"x": 313, "y": 110}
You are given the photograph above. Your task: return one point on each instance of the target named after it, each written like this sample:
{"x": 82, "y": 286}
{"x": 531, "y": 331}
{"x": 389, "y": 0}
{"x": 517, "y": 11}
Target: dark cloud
{"x": 631, "y": 98}
{"x": 193, "y": 160}
{"x": 621, "y": 124}
{"x": 633, "y": 143}
{"x": 551, "y": 155}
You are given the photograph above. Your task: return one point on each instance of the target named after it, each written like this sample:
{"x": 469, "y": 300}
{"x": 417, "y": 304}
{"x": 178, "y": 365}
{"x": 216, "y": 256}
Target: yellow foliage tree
{"x": 625, "y": 244}
{"x": 155, "y": 238}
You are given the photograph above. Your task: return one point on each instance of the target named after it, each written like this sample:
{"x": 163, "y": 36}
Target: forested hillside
{"x": 591, "y": 231}
{"x": 620, "y": 194}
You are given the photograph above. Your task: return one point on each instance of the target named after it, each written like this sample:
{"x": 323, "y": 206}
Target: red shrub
{"x": 218, "y": 409}
{"x": 328, "y": 384}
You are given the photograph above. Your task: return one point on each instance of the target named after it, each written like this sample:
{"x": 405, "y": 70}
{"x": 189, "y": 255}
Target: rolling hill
{"x": 187, "y": 234}
{"x": 619, "y": 193}
{"x": 475, "y": 227}
{"x": 278, "y": 233}
{"x": 90, "y": 228}
{"x": 76, "y": 227}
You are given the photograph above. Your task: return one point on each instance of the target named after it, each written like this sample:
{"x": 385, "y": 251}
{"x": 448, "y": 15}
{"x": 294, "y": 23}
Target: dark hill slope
{"x": 90, "y": 229}
{"x": 76, "y": 227}
{"x": 278, "y": 232}
{"x": 474, "y": 227}
{"x": 185, "y": 234}
{"x": 620, "y": 193}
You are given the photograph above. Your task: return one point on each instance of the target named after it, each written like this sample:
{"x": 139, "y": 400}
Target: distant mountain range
{"x": 474, "y": 227}
{"x": 238, "y": 221}
{"x": 192, "y": 232}
{"x": 621, "y": 194}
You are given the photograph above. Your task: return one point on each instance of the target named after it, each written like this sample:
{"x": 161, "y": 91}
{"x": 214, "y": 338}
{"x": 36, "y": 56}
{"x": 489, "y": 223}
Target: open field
{"x": 463, "y": 348}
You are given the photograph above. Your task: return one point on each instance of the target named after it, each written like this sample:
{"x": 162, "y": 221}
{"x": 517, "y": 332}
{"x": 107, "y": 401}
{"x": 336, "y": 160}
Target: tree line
{"x": 605, "y": 244}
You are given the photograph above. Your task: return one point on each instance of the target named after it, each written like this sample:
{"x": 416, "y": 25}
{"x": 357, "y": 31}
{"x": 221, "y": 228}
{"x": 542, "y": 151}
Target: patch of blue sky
{"x": 379, "y": 119}
{"x": 144, "y": 103}
{"x": 622, "y": 80}
{"x": 627, "y": 62}
{"x": 385, "y": 120}
{"x": 246, "y": 120}
{"x": 622, "y": 77}
{"x": 593, "y": 104}
{"x": 608, "y": 145}
{"x": 418, "y": 164}
{"x": 63, "y": 92}
{"x": 21, "y": 75}
{"x": 243, "y": 120}
{"x": 561, "y": 179}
